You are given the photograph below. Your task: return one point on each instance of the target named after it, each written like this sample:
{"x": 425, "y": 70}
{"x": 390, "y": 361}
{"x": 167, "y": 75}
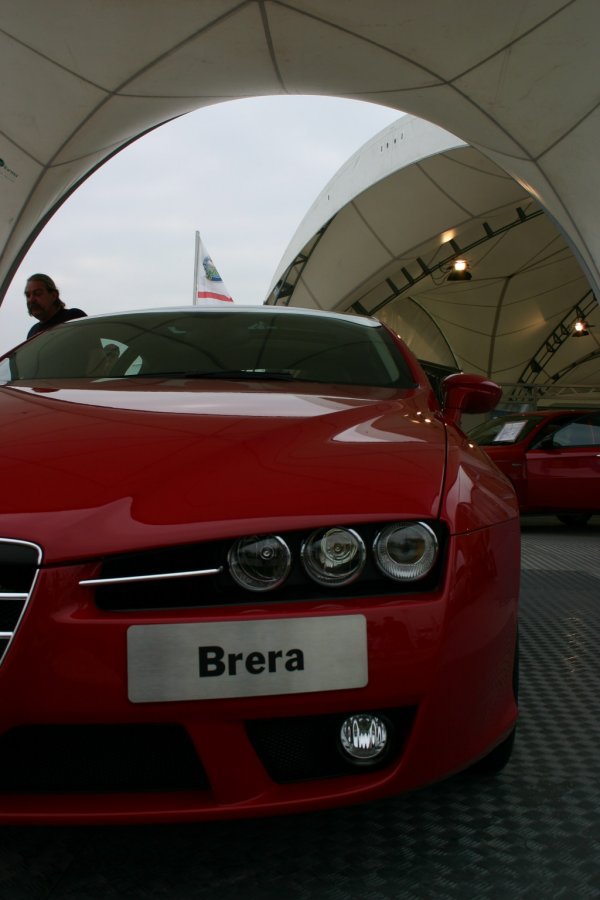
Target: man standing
{"x": 44, "y": 304}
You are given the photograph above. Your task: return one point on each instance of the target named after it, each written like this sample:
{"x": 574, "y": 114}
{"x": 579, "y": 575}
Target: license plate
{"x": 197, "y": 661}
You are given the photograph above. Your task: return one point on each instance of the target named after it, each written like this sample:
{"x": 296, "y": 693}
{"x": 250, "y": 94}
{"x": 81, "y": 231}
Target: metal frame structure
{"x": 536, "y": 366}
{"x": 444, "y": 264}
{"x": 283, "y": 290}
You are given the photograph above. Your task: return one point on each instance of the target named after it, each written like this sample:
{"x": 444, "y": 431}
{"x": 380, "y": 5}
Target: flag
{"x": 208, "y": 284}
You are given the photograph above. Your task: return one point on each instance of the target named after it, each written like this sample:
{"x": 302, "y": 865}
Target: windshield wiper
{"x": 241, "y": 374}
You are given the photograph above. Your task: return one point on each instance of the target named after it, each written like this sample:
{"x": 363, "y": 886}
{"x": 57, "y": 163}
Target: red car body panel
{"x": 570, "y": 479}
{"x": 353, "y": 456}
{"x": 94, "y": 468}
{"x": 70, "y": 666}
{"x": 366, "y": 457}
{"x": 550, "y": 480}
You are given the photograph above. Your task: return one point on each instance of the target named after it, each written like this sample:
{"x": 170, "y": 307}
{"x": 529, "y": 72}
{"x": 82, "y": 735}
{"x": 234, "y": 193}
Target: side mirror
{"x": 463, "y": 393}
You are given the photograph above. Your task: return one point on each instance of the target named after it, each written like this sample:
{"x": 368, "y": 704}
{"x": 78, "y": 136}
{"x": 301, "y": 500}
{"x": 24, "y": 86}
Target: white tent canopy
{"x": 516, "y": 81}
{"x": 380, "y": 239}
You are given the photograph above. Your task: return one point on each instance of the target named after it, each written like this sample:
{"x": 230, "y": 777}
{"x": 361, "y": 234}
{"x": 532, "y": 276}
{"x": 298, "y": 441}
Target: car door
{"x": 563, "y": 468}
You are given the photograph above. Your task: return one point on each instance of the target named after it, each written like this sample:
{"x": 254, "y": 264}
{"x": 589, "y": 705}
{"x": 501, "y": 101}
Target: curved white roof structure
{"x": 380, "y": 240}
{"x": 516, "y": 81}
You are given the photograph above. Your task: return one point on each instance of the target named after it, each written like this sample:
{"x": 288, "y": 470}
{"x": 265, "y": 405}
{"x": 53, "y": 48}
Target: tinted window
{"x": 208, "y": 343}
{"x": 583, "y": 432}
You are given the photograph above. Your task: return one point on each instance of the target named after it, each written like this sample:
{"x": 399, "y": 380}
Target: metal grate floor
{"x": 533, "y": 831}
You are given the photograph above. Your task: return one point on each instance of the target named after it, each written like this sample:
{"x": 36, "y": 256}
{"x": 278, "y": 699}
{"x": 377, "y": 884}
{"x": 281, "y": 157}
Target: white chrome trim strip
{"x": 4, "y": 540}
{"x": 92, "y": 582}
{"x": 25, "y": 597}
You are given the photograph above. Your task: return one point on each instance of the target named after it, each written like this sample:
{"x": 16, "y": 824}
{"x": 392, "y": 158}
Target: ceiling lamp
{"x": 459, "y": 271}
{"x": 580, "y": 328}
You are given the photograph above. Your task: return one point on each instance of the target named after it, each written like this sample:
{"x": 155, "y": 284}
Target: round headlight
{"x": 406, "y": 551}
{"x": 334, "y": 556}
{"x": 260, "y": 563}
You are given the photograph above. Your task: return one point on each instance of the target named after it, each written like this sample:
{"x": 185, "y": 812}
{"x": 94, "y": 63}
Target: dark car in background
{"x": 552, "y": 458}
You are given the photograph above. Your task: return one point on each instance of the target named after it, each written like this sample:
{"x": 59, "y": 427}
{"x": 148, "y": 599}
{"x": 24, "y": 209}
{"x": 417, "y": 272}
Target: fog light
{"x": 364, "y": 738}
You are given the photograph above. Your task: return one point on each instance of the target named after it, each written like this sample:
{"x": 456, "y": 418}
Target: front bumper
{"x": 74, "y": 748}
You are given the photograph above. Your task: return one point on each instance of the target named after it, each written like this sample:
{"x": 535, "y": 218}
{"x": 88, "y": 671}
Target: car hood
{"x": 93, "y": 470}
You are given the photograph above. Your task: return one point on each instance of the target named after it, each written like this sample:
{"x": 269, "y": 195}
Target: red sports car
{"x": 552, "y": 458}
{"x": 248, "y": 566}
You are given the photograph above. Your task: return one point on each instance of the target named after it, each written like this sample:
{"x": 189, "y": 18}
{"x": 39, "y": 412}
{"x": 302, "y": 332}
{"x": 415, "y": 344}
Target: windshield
{"x": 213, "y": 344}
{"x": 505, "y": 430}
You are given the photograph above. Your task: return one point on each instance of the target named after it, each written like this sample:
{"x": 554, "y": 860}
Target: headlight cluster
{"x": 334, "y": 557}
{"x": 260, "y": 563}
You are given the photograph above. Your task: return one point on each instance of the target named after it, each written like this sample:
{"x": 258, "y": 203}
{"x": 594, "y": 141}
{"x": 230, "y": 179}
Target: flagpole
{"x": 195, "y": 298}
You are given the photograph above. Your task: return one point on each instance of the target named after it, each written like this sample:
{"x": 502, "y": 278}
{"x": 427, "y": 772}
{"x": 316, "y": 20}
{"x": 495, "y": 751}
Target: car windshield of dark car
{"x": 251, "y": 344}
{"x": 504, "y": 430}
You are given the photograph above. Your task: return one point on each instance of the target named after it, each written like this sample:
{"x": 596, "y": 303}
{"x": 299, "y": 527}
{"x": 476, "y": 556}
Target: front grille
{"x": 19, "y": 564}
{"x": 67, "y": 759}
{"x": 306, "y": 747}
{"x": 217, "y": 587}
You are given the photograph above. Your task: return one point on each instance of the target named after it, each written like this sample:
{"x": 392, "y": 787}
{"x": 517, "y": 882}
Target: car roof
{"x": 548, "y": 413}
{"x": 242, "y": 309}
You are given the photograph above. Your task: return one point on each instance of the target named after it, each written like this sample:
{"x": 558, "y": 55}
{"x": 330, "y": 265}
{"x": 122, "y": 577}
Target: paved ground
{"x": 533, "y": 831}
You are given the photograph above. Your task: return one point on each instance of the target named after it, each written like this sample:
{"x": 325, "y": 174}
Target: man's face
{"x": 41, "y": 302}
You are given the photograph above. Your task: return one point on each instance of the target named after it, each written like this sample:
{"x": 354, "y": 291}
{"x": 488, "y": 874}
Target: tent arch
{"x": 380, "y": 238}
{"x": 517, "y": 82}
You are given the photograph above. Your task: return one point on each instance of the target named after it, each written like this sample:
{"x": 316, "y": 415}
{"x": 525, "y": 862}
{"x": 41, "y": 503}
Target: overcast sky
{"x": 243, "y": 174}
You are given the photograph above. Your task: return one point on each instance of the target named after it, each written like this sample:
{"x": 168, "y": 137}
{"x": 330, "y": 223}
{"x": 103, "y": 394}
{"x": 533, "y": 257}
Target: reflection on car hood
{"x": 95, "y": 471}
